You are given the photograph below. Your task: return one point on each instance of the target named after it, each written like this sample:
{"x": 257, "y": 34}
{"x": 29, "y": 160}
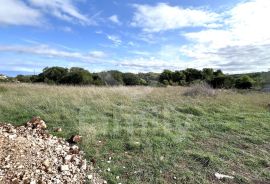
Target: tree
{"x": 166, "y": 75}
{"x": 53, "y": 74}
{"x": 77, "y": 76}
{"x": 229, "y": 82}
{"x": 192, "y": 75}
{"x": 244, "y": 82}
{"x": 208, "y": 74}
{"x": 112, "y": 77}
{"x": 218, "y": 73}
{"x": 24, "y": 78}
{"x": 97, "y": 80}
{"x": 179, "y": 77}
{"x": 222, "y": 81}
{"x": 131, "y": 79}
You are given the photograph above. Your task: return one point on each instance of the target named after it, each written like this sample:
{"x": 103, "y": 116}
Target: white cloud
{"x": 164, "y": 17}
{"x": 114, "y": 19}
{"x": 148, "y": 64}
{"x": 33, "y": 13}
{"x": 47, "y": 51}
{"x": 64, "y": 10}
{"x": 115, "y": 39}
{"x": 240, "y": 45}
{"x": 97, "y": 54}
{"x": 15, "y": 12}
{"x": 66, "y": 29}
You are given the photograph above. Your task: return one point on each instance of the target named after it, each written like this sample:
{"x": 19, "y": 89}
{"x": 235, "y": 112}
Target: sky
{"x": 134, "y": 35}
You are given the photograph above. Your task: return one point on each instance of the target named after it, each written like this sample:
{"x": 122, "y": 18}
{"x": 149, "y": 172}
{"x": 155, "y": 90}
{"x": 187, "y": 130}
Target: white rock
{"x": 20, "y": 167}
{"x": 12, "y": 137}
{"x": 90, "y": 177}
{"x": 46, "y": 163}
{"x": 84, "y": 166}
{"x": 64, "y": 168}
{"x": 68, "y": 158}
{"x": 221, "y": 176}
{"x": 33, "y": 182}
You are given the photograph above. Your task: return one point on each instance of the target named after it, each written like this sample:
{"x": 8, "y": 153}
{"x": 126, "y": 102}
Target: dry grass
{"x": 202, "y": 89}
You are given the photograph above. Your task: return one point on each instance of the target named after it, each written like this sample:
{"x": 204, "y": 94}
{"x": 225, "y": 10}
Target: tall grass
{"x": 154, "y": 135}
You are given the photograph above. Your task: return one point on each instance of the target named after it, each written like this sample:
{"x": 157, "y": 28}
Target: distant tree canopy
{"x": 77, "y": 76}
{"x": 59, "y": 75}
{"x": 80, "y": 76}
{"x": 217, "y": 79}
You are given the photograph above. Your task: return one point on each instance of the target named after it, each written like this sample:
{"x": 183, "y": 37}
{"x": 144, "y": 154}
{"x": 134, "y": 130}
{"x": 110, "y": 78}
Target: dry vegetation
{"x": 154, "y": 135}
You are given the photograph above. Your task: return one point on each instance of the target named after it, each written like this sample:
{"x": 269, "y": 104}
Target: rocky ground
{"x": 28, "y": 154}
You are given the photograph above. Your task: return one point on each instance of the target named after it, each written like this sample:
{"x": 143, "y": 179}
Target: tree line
{"x": 80, "y": 76}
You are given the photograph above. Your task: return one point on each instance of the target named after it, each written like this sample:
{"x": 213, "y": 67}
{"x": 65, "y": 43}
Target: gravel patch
{"x": 29, "y": 154}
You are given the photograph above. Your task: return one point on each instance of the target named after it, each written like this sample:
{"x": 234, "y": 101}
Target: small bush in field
{"x": 202, "y": 89}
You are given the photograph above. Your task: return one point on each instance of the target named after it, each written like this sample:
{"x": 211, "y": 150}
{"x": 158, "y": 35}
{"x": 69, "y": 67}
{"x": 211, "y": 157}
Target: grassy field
{"x": 154, "y": 135}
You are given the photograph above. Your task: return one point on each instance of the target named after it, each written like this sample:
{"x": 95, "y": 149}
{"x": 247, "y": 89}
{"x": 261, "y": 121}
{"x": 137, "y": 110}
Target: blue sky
{"x": 135, "y": 36}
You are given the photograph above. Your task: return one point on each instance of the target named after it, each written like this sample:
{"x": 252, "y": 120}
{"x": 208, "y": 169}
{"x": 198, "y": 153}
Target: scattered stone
{"x": 75, "y": 139}
{"x": 58, "y": 130}
{"x": 46, "y": 163}
{"x": 29, "y": 154}
{"x": 90, "y": 177}
{"x": 36, "y": 122}
{"x": 64, "y": 168}
{"x": 14, "y": 136}
{"x": 20, "y": 167}
{"x": 84, "y": 165}
{"x": 68, "y": 158}
{"x": 221, "y": 176}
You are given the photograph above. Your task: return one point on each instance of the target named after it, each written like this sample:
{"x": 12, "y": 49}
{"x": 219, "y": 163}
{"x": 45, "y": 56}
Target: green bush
{"x": 244, "y": 82}
{"x": 131, "y": 79}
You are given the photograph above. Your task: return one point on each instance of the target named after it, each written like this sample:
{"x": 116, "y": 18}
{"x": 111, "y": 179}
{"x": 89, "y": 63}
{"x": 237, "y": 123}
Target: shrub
{"x": 112, "y": 77}
{"x": 24, "y": 78}
{"x": 192, "y": 74}
{"x": 131, "y": 79}
{"x": 77, "y": 76}
{"x": 54, "y": 74}
{"x": 244, "y": 82}
{"x": 202, "y": 89}
{"x": 165, "y": 76}
{"x": 222, "y": 81}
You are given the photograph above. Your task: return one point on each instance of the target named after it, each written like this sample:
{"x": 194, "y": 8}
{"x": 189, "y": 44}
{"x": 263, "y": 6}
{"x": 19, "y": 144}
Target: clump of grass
{"x": 202, "y": 89}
